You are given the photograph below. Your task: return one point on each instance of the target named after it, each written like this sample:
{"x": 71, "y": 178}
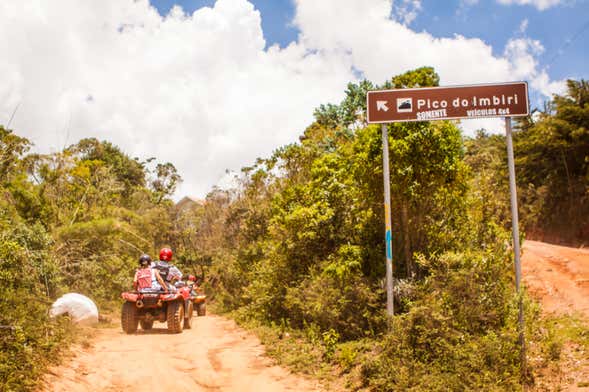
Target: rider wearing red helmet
{"x": 166, "y": 254}
{"x": 168, "y": 272}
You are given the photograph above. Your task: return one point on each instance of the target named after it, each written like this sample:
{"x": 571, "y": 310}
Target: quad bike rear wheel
{"x": 175, "y": 316}
{"x": 129, "y": 319}
{"x": 146, "y": 325}
{"x": 189, "y": 309}
{"x": 201, "y": 309}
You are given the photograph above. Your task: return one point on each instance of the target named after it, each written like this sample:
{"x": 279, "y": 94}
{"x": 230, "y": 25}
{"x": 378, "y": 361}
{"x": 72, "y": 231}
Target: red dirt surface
{"x": 215, "y": 355}
{"x": 558, "y": 276}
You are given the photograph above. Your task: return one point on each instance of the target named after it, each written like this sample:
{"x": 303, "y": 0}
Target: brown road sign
{"x": 445, "y": 103}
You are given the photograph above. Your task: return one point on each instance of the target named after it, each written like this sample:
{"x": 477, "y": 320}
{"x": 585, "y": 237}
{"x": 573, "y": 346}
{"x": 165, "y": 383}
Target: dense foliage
{"x": 70, "y": 221}
{"x": 299, "y": 245}
{"x": 552, "y": 167}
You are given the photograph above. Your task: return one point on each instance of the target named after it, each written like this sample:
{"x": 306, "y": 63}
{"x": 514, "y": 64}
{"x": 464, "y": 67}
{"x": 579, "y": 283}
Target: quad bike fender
{"x": 134, "y": 297}
{"x": 185, "y": 292}
{"x": 200, "y": 298}
{"x": 131, "y": 297}
{"x": 171, "y": 297}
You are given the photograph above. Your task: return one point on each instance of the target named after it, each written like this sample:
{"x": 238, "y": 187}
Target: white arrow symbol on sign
{"x": 382, "y": 105}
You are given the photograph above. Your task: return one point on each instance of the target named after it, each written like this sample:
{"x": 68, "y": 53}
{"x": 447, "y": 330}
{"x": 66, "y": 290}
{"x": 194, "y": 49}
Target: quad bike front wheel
{"x": 201, "y": 309}
{"x": 129, "y": 319}
{"x": 175, "y": 316}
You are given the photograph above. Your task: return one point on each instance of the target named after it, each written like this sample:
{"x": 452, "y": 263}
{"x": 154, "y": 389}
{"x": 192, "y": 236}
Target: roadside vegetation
{"x": 70, "y": 221}
{"x": 296, "y": 251}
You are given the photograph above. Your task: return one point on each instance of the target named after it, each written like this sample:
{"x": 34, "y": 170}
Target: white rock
{"x": 80, "y": 308}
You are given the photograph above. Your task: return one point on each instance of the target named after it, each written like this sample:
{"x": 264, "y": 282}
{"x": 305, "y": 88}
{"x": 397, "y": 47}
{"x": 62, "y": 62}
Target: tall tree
{"x": 553, "y": 166}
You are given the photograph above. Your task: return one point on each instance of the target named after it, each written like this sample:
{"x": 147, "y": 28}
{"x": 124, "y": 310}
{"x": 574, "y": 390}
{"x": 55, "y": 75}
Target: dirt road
{"x": 558, "y": 276}
{"x": 215, "y": 355}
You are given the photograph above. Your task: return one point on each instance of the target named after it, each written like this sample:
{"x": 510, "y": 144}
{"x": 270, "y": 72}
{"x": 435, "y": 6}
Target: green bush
{"x": 352, "y": 308}
{"x": 459, "y": 334}
{"x": 28, "y": 338}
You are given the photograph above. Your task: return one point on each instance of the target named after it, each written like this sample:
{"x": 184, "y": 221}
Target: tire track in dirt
{"x": 558, "y": 276}
{"x": 215, "y": 355}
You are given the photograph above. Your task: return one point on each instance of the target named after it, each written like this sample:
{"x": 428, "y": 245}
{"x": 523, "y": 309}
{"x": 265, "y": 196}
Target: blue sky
{"x": 496, "y": 23}
{"x": 563, "y": 29}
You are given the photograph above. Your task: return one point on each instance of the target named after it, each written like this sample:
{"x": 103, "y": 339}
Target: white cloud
{"x": 523, "y": 26}
{"x": 382, "y": 47}
{"x": 201, "y": 90}
{"x": 522, "y": 54}
{"x": 197, "y": 90}
{"x": 539, "y": 4}
{"x": 407, "y": 10}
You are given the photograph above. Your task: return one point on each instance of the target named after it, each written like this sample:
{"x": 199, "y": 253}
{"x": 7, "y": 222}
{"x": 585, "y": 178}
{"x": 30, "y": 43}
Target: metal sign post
{"x": 515, "y": 229}
{"x": 387, "y": 213}
{"x": 445, "y": 103}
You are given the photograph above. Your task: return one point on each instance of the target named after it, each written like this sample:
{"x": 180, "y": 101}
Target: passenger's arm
{"x": 161, "y": 281}
{"x": 135, "y": 281}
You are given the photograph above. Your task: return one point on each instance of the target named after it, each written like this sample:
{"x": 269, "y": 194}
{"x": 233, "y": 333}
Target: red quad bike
{"x": 199, "y": 297}
{"x": 144, "y": 308}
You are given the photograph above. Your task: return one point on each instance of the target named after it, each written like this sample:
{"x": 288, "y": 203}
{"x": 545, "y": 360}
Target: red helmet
{"x": 166, "y": 254}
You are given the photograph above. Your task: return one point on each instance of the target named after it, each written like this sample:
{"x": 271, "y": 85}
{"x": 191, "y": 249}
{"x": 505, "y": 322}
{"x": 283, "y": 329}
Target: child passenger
{"x": 147, "y": 279}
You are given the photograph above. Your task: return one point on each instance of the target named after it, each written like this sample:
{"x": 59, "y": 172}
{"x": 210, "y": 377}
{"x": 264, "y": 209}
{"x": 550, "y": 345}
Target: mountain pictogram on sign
{"x": 404, "y": 105}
